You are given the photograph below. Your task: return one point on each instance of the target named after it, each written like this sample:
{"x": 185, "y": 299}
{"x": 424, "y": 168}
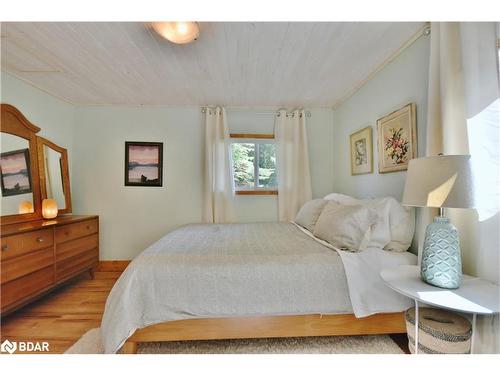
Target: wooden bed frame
{"x": 266, "y": 327}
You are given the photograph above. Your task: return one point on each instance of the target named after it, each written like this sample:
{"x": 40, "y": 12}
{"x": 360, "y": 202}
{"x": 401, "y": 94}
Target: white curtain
{"x": 464, "y": 117}
{"x": 218, "y": 180}
{"x": 292, "y": 159}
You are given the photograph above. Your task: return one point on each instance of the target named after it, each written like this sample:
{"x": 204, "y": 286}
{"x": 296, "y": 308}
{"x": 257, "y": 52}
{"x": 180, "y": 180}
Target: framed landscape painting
{"x": 15, "y": 172}
{"x": 397, "y": 139}
{"x": 361, "y": 151}
{"x": 143, "y": 163}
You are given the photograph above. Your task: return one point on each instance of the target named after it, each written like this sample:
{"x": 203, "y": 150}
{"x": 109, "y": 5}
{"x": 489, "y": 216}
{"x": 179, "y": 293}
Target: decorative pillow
{"x": 345, "y": 226}
{"x": 395, "y": 225}
{"x": 309, "y": 213}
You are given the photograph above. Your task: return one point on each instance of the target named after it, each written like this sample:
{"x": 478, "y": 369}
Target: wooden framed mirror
{"x": 54, "y": 174}
{"x": 20, "y": 183}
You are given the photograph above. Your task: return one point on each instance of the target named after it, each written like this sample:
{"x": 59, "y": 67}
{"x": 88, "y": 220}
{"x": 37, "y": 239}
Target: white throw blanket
{"x": 369, "y": 294}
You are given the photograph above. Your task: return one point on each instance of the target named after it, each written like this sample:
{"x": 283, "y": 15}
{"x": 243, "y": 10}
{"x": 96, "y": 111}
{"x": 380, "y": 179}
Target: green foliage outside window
{"x": 267, "y": 165}
{"x": 244, "y": 165}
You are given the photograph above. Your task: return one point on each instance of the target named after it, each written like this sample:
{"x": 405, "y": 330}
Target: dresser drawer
{"x": 26, "y": 286}
{"x": 74, "y": 265}
{"x": 71, "y": 231}
{"x": 72, "y": 248}
{"x": 25, "y": 264}
{"x": 20, "y": 244}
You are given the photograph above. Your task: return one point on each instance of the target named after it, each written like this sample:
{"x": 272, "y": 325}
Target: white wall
{"x": 55, "y": 117}
{"x": 402, "y": 81}
{"x": 134, "y": 217}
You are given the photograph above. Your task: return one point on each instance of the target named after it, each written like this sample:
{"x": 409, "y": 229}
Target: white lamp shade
{"x": 439, "y": 181}
{"x": 177, "y": 32}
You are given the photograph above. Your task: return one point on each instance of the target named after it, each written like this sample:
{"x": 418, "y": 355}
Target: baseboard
{"x": 112, "y": 265}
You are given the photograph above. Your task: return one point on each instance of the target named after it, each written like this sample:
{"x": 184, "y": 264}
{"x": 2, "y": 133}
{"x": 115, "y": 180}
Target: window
{"x": 254, "y": 164}
{"x": 483, "y": 132}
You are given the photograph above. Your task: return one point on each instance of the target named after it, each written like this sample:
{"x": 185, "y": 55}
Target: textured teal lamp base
{"x": 441, "y": 262}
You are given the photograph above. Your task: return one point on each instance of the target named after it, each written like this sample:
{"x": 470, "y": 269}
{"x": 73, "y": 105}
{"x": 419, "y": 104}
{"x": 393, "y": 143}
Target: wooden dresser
{"x": 37, "y": 256}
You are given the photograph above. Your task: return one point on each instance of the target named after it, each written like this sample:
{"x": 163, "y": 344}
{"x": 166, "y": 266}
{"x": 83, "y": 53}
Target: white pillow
{"x": 402, "y": 220}
{"x": 309, "y": 213}
{"x": 345, "y": 226}
{"x": 395, "y": 225}
{"x": 380, "y": 231}
{"x": 342, "y": 198}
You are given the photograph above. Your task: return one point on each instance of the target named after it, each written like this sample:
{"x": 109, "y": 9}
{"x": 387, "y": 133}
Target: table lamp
{"x": 440, "y": 181}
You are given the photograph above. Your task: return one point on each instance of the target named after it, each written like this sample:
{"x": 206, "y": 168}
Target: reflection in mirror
{"x": 16, "y": 181}
{"x": 54, "y": 176}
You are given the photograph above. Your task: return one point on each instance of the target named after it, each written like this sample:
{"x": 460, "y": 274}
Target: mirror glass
{"x": 16, "y": 176}
{"x": 54, "y": 177}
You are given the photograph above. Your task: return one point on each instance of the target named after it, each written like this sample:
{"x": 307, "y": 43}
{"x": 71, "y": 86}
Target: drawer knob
{"x": 66, "y": 233}
{"x": 39, "y": 239}
{"x": 5, "y": 247}
{"x": 88, "y": 227}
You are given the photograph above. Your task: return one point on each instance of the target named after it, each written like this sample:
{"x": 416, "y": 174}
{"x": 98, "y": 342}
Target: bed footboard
{"x": 267, "y": 327}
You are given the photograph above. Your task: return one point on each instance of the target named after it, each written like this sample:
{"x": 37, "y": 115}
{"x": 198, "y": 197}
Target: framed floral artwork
{"x": 397, "y": 139}
{"x": 361, "y": 151}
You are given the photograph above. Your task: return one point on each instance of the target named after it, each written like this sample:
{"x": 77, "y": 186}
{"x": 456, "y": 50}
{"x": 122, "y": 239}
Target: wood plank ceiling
{"x": 232, "y": 64}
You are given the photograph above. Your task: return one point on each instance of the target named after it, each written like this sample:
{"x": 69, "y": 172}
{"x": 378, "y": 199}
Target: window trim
{"x": 255, "y": 139}
{"x": 251, "y": 136}
{"x": 256, "y": 192}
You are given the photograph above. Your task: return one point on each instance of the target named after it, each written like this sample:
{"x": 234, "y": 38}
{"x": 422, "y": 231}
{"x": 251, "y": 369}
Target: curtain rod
{"x": 260, "y": 112}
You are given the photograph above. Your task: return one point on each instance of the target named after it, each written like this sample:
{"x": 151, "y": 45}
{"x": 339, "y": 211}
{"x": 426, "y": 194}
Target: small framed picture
{"x": 361, "y": 151}
{"x": 15, "y": 172}
{"x": 397, "y": 139}
{"x": 143, "y": 163}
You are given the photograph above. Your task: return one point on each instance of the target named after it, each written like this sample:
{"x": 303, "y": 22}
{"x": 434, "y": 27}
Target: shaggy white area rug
{"x": 90, "y": 343}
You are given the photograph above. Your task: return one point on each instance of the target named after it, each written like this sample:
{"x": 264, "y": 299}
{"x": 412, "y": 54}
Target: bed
{"x": 224, "y": 281}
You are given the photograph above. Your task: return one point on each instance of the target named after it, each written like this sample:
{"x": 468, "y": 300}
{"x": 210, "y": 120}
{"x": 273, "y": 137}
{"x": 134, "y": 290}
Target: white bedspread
{"x": 245, "y": 270}
{"x": 212, "y": 270}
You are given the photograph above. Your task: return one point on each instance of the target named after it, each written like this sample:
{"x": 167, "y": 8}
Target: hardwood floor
{"x": 64, "y": 315}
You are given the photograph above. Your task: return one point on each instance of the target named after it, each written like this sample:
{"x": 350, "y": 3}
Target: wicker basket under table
{"x": 440, "y": 331}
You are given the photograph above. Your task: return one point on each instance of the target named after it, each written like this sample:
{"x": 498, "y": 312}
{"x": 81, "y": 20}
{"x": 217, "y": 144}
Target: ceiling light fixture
{"x": 178, "y": 32}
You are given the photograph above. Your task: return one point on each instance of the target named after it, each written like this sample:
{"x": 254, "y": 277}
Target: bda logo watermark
{"x": 8, "y": 347}
{"x": 28, "y": 346}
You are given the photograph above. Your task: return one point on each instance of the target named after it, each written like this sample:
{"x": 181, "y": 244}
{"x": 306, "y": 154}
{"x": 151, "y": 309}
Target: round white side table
{"x": 475, "y": 296}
